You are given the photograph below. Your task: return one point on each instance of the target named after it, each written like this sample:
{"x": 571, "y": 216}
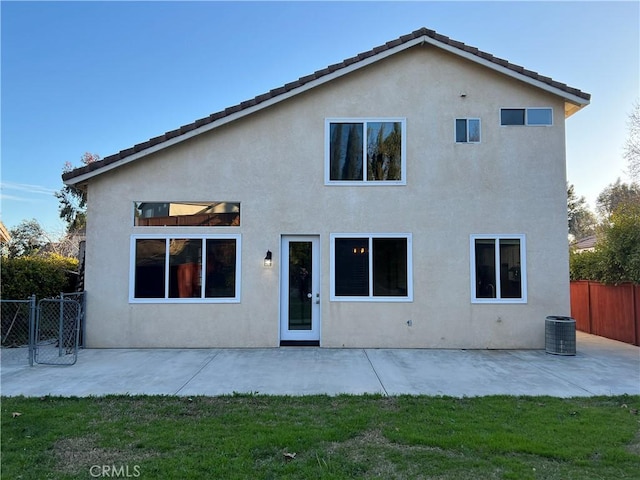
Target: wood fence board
{"x": 611, "y": 311}
{"x": 580, "y": 309}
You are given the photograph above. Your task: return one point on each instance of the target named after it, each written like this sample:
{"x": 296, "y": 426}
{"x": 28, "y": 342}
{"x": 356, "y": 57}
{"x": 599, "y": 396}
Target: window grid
{"x": 467, "y": 130}
{"x": 167, "y": 297}
{"x": 498, "y": 278}
{"x": 528, "y": 117}
{"x": 365, "y": 179}
{"x": 370, "y": 297}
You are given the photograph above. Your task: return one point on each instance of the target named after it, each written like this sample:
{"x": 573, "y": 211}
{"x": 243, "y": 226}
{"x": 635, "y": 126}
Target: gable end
{"x": 575, "y": 99}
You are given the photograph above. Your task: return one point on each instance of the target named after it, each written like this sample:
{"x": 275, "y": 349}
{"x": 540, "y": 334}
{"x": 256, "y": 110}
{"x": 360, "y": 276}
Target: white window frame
{"x": 371, "y": 297}
{"x": 147, "y": 227}
{"x": 364, "y": 181}
{"x": 526, "y": 117}
{"x": 523, "y": 268}
{"x": 167, "y": 237}
{"x": 467, "y": 141}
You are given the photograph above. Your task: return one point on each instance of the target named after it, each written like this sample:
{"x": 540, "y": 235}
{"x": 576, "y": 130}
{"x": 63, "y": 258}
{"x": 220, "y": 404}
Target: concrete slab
{"x": 601, "y": 367}
{"x": 110, "y": 371}
{"x": 461, "y": 373}
{"x": 286, "y": 371}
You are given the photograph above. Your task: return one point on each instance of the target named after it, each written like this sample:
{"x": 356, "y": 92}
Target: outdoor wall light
{"x": 268, "y": 261}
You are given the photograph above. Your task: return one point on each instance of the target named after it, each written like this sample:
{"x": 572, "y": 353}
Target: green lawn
{"x": 320, "y": 437}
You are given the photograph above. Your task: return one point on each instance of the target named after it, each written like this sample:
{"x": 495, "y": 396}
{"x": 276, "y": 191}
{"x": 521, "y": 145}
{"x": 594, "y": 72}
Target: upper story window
{"x": 467, "y": 130}
{"x": 365, "y": 151}
{"x": 186, "y": 214}
{"x": 526, "y": 116}
{"x": 498, "y": 269}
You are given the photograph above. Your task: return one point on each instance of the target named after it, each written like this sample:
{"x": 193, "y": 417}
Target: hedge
{"x": 616, "y": 258}
{"x": 43, "y": 277}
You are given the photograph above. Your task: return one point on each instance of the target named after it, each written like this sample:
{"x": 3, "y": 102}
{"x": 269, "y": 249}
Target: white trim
{"x": 180, "y": 235}
{"x": 523, "y": 268}
{"x": 579, "y": 102}
{"x": 364, "y": 181}
{"x": 526, "y": 117}
{"x": 146, "y": 228}
{"x": 247, "y": 111}
{"x": 538, "y": 124}
{"x": 574, "y": 99}
{"x": 467, "y": 141}
{"x": 314, "y": 334}
{"x": 370, "y": 298}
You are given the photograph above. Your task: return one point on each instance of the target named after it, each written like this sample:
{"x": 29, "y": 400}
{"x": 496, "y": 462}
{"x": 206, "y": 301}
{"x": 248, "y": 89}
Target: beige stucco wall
{"x": 273, "y": 163}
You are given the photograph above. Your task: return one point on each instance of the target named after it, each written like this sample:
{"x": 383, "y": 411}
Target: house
{"x": 413, "y": 196}
{"x": 5, "y": 236}
{"x": 586, "y": 244}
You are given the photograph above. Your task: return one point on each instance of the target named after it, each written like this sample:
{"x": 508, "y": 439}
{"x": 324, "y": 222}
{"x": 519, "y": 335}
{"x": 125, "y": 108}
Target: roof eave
{"x": 573, "y": 103}
{"x": 244, "y": 112}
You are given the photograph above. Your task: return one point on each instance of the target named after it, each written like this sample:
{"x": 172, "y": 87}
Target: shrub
{"x": 586, "y": 265}
{"x": 616, "y": 258}
{"x": 621, "y": 245}
{"x": 41, "y": 276}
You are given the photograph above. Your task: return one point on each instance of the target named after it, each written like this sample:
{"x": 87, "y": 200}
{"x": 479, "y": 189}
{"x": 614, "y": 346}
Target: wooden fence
{"x": 611, "y": 311}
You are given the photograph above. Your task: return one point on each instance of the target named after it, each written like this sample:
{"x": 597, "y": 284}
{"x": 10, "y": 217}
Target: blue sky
{"x": 103, "y": 76}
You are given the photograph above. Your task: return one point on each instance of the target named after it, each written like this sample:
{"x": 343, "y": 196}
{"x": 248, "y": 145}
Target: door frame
{"x": 300, "y": 337}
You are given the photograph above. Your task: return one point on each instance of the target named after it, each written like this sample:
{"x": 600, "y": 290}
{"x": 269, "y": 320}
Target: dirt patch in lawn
{"x": 80, "y": 454}
{"x": 382, "y": 457}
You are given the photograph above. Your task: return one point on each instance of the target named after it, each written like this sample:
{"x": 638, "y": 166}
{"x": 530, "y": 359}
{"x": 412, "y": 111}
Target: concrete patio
{"x": 600, "y": 367}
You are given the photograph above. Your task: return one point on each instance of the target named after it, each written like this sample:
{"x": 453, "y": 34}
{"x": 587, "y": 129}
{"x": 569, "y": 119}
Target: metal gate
{"x": 48, "y": 332}
{"x": 18, "y": 319}
{"x": 57, "y": 331}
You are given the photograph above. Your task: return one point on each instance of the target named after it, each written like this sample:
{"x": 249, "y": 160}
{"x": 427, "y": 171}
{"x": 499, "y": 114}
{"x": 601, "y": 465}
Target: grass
{"x": 320, "y": 437}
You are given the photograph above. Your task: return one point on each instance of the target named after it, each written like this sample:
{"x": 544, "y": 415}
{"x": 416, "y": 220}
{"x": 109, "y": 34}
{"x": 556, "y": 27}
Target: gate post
{"x": 61, "y": 326}
{"x": 32, "y": 328}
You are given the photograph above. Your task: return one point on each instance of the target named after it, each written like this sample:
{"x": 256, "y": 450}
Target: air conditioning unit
{"x": 560, "y": 335}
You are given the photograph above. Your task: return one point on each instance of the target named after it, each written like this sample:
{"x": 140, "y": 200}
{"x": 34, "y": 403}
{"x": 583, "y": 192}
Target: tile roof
{"x": 444, "y": 41}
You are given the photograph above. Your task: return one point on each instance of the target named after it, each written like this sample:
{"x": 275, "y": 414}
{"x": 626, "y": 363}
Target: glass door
{"x": 300, "y": 289}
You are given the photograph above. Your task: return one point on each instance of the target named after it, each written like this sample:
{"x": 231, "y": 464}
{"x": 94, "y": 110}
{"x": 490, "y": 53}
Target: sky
{"x": 100, "y": 77}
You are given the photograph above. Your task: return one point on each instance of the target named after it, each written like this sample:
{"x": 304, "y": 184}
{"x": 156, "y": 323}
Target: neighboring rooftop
{"x": 586, "y": 243}
{"x": 575, "y": 99}
{"x": 5, "y": 236}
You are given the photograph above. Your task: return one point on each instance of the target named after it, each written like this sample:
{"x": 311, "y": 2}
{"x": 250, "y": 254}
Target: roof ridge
{"x": 318, "y": 74}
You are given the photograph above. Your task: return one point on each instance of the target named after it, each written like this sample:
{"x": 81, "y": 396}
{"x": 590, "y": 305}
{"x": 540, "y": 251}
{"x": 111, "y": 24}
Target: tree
{"x": 582, "y": 222}
{"x": 616, "y": 257}
{"x": 28, "y": 238}
{"x": 620, "y": 245}
{"x": 616, "y": 194}
{"x": 632, "y": 146}
{"x": 73, "y": 200}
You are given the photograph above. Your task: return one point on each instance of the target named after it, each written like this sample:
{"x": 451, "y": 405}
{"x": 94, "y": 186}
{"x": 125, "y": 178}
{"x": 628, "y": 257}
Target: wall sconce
{"x": 268, "y": 261}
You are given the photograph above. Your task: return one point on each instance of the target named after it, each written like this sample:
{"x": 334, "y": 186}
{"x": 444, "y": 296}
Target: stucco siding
{"x": 272, "y": 162}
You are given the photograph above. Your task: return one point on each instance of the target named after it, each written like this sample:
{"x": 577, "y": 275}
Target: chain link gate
{"x": 17, "y": 325}
{"x": 47, "y": 332}
{"x": 79, "y": 297}
{"x": 57, "y": 331}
